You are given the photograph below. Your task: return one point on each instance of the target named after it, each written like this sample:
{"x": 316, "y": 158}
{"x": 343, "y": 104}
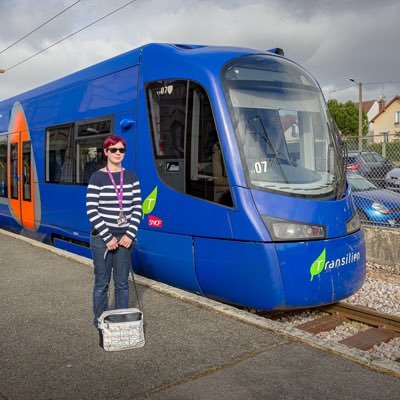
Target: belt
{"x": 94, "y": 232}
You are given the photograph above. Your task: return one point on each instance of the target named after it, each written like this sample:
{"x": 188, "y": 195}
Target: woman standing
{"x": 114, "y": 209}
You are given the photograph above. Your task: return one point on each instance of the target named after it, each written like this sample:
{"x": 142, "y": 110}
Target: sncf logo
{"x": 155, "y": 221}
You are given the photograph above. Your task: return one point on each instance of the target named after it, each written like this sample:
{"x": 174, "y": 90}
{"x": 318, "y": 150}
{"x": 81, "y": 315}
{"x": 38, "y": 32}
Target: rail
{"x": 364, "y": 314}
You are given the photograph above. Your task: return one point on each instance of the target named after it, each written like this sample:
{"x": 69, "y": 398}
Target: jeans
{"x": 117, "y": 261}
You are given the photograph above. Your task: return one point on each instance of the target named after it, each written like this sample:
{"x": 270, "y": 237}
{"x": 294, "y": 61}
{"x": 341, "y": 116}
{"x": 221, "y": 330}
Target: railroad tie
{"x": 365, "y": 340}
{"x": 323, "y": 324}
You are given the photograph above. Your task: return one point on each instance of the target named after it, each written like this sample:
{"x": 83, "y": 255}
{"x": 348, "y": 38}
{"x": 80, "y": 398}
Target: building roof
{"x": 385, "y": 108}
{"x": 366, "y": 105}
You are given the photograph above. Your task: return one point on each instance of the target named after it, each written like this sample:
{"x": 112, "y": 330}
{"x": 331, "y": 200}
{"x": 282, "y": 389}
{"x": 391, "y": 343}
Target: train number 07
{"x": 261, "y": 166}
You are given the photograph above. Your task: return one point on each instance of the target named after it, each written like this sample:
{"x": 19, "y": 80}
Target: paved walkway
{"x": 49, "y": 350}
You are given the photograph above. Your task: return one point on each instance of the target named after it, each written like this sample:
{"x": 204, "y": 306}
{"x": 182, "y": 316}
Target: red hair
{"x": 113, "y": 140}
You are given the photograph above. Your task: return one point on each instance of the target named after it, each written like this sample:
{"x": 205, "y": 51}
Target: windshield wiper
{"x": 266, "y": 139}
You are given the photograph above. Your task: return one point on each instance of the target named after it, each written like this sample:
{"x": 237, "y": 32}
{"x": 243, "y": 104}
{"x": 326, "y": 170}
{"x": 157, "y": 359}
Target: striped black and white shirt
{"x": 102, "y": 206}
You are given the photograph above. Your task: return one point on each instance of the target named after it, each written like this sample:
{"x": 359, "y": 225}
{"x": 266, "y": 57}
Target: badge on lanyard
{"x": 121, "y": 219}
{"x": 120, "y": 195}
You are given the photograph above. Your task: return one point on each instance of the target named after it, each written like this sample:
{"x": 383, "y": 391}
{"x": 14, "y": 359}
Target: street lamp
{"x": 360, "y": 146}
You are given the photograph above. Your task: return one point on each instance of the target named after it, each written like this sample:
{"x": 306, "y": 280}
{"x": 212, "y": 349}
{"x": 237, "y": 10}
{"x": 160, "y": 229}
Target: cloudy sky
{"x": 334, "y": 40}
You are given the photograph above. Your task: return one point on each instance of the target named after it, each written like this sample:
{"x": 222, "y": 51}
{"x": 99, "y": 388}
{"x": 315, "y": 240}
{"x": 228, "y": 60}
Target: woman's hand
{"x": 125, "y": 241}
{"x": 112, "y": 244}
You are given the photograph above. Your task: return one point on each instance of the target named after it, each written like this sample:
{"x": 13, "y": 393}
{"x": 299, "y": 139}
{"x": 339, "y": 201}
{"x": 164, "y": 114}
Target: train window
{"x": 94, "y": 128}
{"x": 167, "y": 114}
{"x": 206, "y": 175}
{"x": 89, "y": 148}
{"x": 14, "y": 170}
{"x": 75, "y": 151}
{"x": 167, "y": 105}
{"x": 3, "y": 169}
{"x": 185, "y": 140}
{"x": 59, "y": 154}
{"x": 26, "y": 170}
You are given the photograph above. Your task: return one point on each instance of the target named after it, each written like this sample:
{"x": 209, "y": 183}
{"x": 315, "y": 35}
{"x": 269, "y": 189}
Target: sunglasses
{"x": 114, "y": 150}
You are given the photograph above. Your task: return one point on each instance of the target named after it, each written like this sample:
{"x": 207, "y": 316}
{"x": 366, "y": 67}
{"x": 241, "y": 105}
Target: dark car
{"x": 371, "y": 165}
{"x": 375, "y": 206}
{"x": 393, "y": 180}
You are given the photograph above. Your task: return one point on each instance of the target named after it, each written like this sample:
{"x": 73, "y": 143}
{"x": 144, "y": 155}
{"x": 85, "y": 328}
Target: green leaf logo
{"x": 150, "y": 202}
{"x": 318, "y": 265}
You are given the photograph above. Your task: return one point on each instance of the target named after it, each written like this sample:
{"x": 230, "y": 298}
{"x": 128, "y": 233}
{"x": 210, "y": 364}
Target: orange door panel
{"x": 26, "y": 183}
{"x": 14, "y": 177}
{"x": 21, "y": 173}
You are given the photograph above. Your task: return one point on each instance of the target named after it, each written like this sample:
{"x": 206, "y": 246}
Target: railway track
{"x": 383, "y": 327}
{"x": 364, "y": 314}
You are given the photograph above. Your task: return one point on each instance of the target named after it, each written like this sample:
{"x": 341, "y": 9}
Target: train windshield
{"x": 288, "y": 143}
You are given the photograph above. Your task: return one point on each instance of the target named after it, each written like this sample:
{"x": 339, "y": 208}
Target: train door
{"x": 187, "y": 195}
{"x": 20, "y": 179}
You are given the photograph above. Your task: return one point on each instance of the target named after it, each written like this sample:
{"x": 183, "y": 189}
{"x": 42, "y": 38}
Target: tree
{"x": 346, "y": 117}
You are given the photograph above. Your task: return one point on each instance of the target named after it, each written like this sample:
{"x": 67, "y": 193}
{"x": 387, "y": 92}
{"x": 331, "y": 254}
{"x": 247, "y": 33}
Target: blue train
{"x": 242, "y": 170}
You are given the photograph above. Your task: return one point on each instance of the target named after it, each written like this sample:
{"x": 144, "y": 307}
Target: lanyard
{"x": 120, "y": 192}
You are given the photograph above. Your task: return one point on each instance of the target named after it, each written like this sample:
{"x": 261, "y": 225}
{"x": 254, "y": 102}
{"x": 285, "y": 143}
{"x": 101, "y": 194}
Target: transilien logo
{"x": 321, "y": 263}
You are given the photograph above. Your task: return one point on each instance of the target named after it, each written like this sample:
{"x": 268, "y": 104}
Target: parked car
{"x": 371, "y": 165}
{"x": 375, "y": 206}
{"x": 393, "y": 180}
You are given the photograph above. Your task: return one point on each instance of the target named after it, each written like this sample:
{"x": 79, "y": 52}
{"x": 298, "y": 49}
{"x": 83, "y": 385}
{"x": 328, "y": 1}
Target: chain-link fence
{"x": 373, "y": 171}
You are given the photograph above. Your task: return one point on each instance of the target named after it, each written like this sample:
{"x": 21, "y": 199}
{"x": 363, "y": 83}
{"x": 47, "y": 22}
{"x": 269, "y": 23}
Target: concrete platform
{"x": 49, "y": 348}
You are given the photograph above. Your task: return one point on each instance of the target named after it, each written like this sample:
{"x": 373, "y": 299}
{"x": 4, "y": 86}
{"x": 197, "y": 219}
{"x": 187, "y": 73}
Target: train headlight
{"x": 284, "y": 230}
{"x": 353, "y": 224}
